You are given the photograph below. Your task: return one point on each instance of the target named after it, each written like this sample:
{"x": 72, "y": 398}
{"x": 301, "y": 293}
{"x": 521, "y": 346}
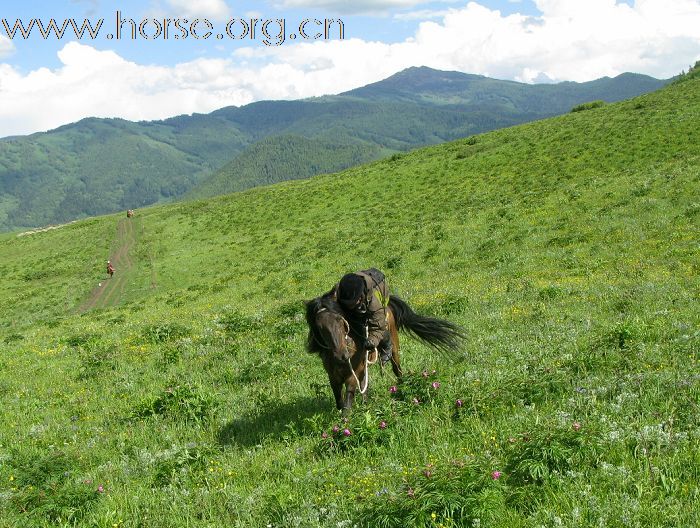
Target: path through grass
{"x": 109, "y": 290}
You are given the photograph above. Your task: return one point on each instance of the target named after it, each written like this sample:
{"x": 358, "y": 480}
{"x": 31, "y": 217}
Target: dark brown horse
{"x": 338, "y": 342}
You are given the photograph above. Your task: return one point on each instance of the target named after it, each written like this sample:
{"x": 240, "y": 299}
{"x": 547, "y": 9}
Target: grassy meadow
{"x": 569, "y": 250}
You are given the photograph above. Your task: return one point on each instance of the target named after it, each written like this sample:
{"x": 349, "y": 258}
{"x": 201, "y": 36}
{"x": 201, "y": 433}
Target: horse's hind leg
{"x": 395, "y": 360}
{"x": 396, "y": 364}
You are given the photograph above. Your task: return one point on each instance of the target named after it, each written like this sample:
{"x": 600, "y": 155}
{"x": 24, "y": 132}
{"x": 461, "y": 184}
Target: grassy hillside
{"x": 99, "y": 166}
{"x": 567, "y": 248}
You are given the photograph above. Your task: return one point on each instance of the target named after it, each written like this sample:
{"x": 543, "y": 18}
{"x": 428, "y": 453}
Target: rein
{"x": 367, "y": 364}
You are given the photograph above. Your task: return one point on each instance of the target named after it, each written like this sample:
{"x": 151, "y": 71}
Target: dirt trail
{"x": 109, "y": 291}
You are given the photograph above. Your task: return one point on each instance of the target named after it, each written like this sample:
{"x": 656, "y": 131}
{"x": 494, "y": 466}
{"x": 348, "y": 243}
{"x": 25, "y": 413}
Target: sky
{"x": 152, "y": 59}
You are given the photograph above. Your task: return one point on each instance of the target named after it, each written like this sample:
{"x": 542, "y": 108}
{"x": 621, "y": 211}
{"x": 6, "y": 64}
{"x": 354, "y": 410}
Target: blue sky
{"x": 48, "y": 82}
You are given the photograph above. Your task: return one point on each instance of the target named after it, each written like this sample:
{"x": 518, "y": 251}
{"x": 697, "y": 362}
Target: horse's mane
{"x": 313, "y": 306}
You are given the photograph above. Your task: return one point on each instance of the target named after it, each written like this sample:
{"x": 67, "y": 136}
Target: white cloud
{"x": 102, "y": 84}
{"x": 422, "y": 14}
{"x": 6, "y": 46}
{"x": 210, "y": 9}
{"x": 571, "y": 40}
{"x": 355, "y": 7}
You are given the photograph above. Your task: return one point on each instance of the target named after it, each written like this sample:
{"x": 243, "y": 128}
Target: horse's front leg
{"x": 349, "y": 399}
{"x": 337, "y": 394}
{"x": 336, "y": 381}
{"x": 350, "y": 388}
{"x": 355, "y": 382}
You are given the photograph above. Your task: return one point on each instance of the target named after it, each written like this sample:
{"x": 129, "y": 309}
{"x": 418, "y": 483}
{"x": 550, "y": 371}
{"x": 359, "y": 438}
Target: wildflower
{"x": 436, "y": 385}
{"x": 576, "y": 426}
{"x": 425, "y": 373}
{"x": 100, "y": 489}
{"x": 336, "y": 428}
{"x": 433, "y": 516}
{"x": 459, "y": 403}
{"x": 346, "y": 432}
{"x": 496, "y": 475}
{"x": 416, "y": 401}
{"x": 382, "y": 424}
{"x": 411, "y": 493}
{"x": 324, "y": 435}
{"x": 393, "y": 389}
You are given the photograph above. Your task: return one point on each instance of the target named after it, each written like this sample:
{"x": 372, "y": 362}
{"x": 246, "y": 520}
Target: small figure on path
{"x": 110, "y": 269}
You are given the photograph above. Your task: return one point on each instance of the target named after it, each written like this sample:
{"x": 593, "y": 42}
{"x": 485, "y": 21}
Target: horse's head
{"x": 329, "y": 332}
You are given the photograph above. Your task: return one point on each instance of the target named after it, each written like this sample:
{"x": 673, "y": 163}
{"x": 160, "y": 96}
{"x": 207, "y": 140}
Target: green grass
{"x": 567, "y": 248}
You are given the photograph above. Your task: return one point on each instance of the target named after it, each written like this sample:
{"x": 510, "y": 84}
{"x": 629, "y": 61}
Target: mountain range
{"x": 97, "y": 166}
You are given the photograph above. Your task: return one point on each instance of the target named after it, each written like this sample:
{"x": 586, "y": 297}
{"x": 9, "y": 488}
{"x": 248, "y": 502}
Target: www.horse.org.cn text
{"x": 269, "y": 31}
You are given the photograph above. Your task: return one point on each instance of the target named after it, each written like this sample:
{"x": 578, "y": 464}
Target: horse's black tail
{"x": 439, "y": 334}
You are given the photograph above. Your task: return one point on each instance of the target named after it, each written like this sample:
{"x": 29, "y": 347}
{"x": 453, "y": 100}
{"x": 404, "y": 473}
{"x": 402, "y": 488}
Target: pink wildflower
{"x": 459, "y": 403}
{"x": 576, "y": 426}
{"x": 346, "y": 432}
{"x": 496, "y": 475}
{"x": 382, "y": 424}
{"x": 436, "y": 384}
{"x": 393, "y": 389}
{"x": 336, "y": 428}
{"x": 100, "y": 489}
{"x": 324, "y": 434}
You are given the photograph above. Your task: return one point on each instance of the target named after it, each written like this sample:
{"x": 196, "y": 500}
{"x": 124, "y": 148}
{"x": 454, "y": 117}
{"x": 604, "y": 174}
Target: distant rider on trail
{"x": 110, "y": 268}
